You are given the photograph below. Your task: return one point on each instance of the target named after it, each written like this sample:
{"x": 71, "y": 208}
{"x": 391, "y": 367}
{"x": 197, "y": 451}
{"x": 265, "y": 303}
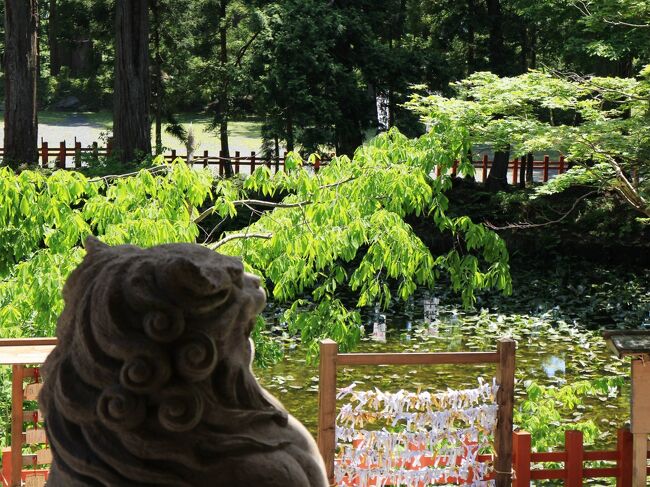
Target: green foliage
{"x": 541, "y": 413}
{"x": 341, "y": 229}
{"x": 44, "y": 220}
{"x": 599, "y": 123}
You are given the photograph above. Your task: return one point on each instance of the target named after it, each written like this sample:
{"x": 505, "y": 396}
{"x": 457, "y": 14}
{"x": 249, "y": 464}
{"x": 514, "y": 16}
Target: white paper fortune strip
{"x": 425, "y": 439}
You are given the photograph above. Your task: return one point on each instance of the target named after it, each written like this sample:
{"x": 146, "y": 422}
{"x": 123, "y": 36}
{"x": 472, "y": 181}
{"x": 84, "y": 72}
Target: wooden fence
{"x": 573, "y": 459}
{"x": 74, "y": 157}
{"x": 25, "y": 356}
{"x": 503, "y": 357}
{"x": 25, "y": 386}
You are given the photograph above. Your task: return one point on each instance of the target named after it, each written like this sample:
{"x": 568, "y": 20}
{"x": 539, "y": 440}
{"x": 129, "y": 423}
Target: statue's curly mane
{"x": 151, "y": 378}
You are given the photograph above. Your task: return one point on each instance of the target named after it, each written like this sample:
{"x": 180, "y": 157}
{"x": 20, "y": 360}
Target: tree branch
{"x": 152, "y": 170}
{"x": 236, "y": 236}
{"x": 527, "y": 225}
{"x": 268, "y": 204}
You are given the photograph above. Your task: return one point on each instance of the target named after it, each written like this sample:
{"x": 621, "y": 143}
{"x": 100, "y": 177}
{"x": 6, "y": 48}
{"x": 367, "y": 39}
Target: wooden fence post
{"x": 277, "y": 163}
{"x": 77, "y": 154}
{"x": 574, "y": 457}
{"x": 515, "y": 170}
{"x": 624, "y": 461}
{"x": 95, "y": 151}
{"x": 17, "y": 374}
{"x": 454, "y": 169}
{"x": 237, "y": 156}
{"x": 222, "y": 155}
{"x": 45, "y": 156}
{"x": 173, "y": 154}
{"x": 545, "y": 174}
{"x": 252, "y": 162}
{"x": 60, "y": 160}
{"x": 316, "y": 163}
{"x": 560, "y": 169}
{"x": 505, "y": 376}
{"x": 284, "y": 160}
{"x": 109, "y": 146}
{"x": 521, "y": 443}
{"x": 327, "y": 405}
{"x": 205, "y": 158}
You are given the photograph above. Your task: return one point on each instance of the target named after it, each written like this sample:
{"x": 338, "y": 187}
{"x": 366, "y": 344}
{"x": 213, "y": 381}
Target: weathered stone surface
{"x": 151, "y": 381}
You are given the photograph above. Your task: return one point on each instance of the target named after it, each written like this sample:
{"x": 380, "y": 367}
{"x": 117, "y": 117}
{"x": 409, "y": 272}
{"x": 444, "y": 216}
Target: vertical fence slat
{"x": 173, "y": 154}
{"x": 560, "y": 168}
{"x": 327, "y": 405}
{"x": 505, "y": 376}
{"x": 316, "y": 163}
{"x": 60, "y": 161}
{"x": 624, "y": 462}
{"x": 573, "y": 445}
{"x": 206, "y": 154}
{"x": 221, "y": 162}
{"x": 521, "y": 443}
{"x": 237, "y": 156}
{"x": 16, "y": 424}
{"x": 109, "y": 146}
{"x": 45, "y": 155}
{"x": 545, "y": 174}
{"x": 515, "y": 170}
{"x": 77, "y": 154}
{"x": 252, "y": 162}
{"x": 95, "y": 151}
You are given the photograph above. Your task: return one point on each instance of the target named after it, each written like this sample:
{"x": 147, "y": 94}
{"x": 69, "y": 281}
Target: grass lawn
{"x": 88, "y": 127}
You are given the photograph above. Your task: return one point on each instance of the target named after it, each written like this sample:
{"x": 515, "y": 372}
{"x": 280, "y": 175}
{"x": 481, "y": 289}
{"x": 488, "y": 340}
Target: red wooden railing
{"x": 66, "y": 157}
{"x": 574, "y": 470}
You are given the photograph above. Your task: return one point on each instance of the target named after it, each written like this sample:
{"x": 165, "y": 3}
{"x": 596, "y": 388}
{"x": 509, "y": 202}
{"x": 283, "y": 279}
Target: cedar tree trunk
{"x": 496, "y": 45}
{"x": 21, "y": 70}
{"x": 131, "y": 125}
{"x": 498, "y": 178}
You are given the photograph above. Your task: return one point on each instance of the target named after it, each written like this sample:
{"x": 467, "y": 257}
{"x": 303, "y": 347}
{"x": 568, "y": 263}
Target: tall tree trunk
{"x": 21, "y": 70}
{"x": 522, "y": 172}
{"x": 533, "y": 48}
{"x": 290, "y": 137}
{"x": 131, "y": 124}
{"x": 529, "y": 169}
{"x": 158, "y": 85}
{"x": 52, "y": 38}
{"x": 498, "y": 178}
{"x": 496, "y": 45}
{"x": 224, "y": 108}
{"x": 523, "y": 56}
{"x": 471, "y": 37}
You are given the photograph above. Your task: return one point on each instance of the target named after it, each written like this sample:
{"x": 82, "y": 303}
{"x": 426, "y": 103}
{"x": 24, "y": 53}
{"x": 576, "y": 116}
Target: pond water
{"x": 554, "y": 348}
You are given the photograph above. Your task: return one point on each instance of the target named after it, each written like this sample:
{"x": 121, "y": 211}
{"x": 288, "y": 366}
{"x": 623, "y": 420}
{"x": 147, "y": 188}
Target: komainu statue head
{"x": 150, "y": 383}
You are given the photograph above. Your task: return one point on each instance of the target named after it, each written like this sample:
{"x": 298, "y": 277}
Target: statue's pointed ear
{"x": 94, "y": 245}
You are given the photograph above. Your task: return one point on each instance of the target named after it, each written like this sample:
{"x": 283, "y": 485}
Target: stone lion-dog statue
{"x": 151, "y": 384}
